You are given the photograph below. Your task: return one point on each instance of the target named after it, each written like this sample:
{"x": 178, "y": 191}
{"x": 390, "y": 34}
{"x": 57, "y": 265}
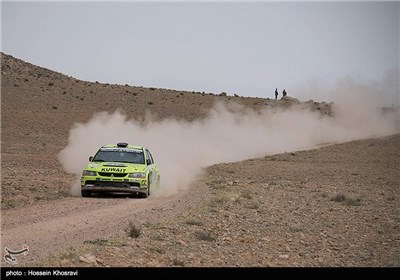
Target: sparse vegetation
{"x": 204, "y": 235}
{"x": 134, "y": 231}
{"x": 254, "y": 205}
{"x": 178, "y": 262}
{"x": 105, "y": 242}
{"x": 54, "y": 107}
{"x": 247, "y": 195}
{"x": 346, "y": 200}
{"x": 71, "y": 255}
{"x": 150, "y": 103}
{"x": 156, "y": 237}
{"x": 338, "y": 198}
{"x": 217, "y": 201}
{"x": 297, "y": 228}
{"x": 215, "y": 185}
{"x": 194, "y": 222}
{"x": 391, "y": 198}
{"x": 158, "y": 250}
{"x": 99, "y": 241}
{"x": 352, "y": 202}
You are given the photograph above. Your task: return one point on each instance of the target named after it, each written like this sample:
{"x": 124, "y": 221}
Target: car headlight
{"x": 137, "y": 175}
{"x": 88, "y": 173}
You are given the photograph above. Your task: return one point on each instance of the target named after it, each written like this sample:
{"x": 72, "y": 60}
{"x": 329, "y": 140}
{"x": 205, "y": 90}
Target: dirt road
{"x": 332, "y": 206}
{"x": 53, "y": 227}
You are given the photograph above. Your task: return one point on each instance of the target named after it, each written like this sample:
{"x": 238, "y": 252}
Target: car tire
{"x": 146, "y": 194}
{"x": 85, "y": 193}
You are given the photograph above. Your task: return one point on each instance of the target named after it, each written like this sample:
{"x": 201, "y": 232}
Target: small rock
{"x": 182, "y": 243}
{"x": 283, "y": 256}
{"x": 100, "y": 262}
{"x": 91, "y": 259}
{"x": 65, "y": 262}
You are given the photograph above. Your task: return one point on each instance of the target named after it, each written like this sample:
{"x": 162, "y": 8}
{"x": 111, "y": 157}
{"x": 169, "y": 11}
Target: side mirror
{"x": 90, "y": 158}
{"x": 148, "y": 161}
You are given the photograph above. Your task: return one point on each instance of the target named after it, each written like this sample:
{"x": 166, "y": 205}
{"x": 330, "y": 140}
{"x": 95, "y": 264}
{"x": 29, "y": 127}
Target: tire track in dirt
{"x": 56, "y": 226}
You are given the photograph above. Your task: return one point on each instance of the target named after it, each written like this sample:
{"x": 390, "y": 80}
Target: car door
{"x": 153, "y": 171}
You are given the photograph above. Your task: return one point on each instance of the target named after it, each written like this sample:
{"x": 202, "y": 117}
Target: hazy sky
{"x": 238, "y": 47}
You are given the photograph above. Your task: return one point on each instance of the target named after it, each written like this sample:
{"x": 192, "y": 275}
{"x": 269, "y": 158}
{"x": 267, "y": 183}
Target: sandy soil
{"x": 333, "y": 206}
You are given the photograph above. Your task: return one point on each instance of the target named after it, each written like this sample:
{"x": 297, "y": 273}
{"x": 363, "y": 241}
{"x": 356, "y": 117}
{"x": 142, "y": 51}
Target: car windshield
{"x": 120, "y": 156}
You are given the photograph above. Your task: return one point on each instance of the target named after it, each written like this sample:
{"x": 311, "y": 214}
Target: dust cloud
{"x": 229, "y": 133}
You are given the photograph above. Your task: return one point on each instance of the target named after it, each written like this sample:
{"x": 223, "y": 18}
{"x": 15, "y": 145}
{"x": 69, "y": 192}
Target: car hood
{"x": 116, "y": 167}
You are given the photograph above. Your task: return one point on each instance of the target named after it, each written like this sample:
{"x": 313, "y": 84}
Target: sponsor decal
{"x": 113, "y": 169}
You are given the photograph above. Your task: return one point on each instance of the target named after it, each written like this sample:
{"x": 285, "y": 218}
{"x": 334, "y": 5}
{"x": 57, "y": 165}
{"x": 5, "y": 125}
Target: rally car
{"x": 120, "y": 168}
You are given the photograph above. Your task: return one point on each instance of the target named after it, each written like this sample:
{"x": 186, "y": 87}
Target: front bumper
{"x": 133, "y": 190}
{"x": 99, "y": 184}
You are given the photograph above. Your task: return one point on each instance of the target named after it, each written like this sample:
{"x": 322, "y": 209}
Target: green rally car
{"x": 120, "y": 168}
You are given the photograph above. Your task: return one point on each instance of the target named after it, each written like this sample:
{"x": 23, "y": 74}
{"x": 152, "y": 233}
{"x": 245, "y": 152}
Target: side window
{"x": 149, "y": 157}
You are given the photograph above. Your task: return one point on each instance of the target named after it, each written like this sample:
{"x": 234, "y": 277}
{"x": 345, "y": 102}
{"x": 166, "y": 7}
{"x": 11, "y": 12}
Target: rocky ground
{"x": 333, "y": 206}
{"x": 336, "y": 206}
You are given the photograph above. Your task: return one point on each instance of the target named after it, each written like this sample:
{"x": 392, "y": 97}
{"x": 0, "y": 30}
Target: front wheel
{"x": 85, "y": 193}
{"x": 146, "y": 194}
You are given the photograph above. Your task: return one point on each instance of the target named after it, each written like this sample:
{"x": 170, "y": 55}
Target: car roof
{"x": 124, "y": 146}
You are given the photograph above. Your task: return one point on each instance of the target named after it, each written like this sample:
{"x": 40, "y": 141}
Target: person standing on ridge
{"x": 276, "y": 93}
{"x": 284, "y": 92}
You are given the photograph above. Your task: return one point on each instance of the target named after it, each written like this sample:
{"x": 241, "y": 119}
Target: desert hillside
{"x": 40, "y": 106}
{"x": 336, "y": 204}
